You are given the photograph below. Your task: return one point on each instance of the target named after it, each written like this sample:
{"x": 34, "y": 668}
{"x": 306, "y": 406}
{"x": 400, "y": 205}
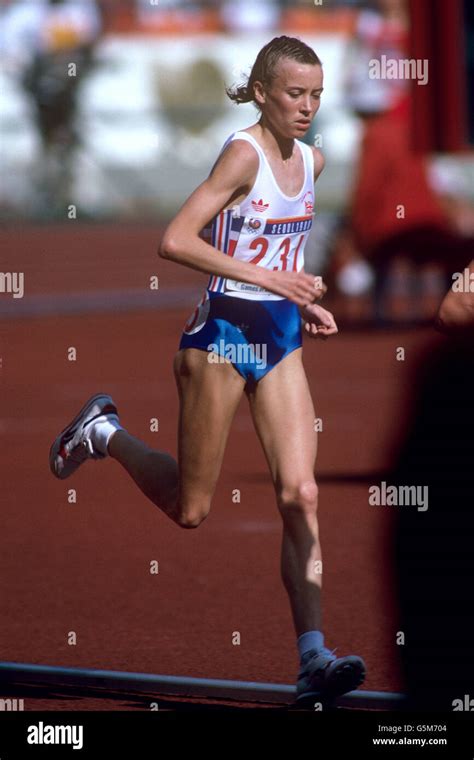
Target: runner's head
{"x": 285, "y": 84}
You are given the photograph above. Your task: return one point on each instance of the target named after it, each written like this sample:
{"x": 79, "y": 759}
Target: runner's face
{"x": 293, "y": 99}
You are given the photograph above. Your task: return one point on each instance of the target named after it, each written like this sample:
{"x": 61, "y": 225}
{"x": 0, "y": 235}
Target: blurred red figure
{"x": 390, "y": 175}
{"x": 396, "y": 219}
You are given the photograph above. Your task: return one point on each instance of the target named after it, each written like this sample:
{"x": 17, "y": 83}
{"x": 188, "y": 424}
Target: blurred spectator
{"x": 48, "y": 46}
{"x": 396, "y": 220}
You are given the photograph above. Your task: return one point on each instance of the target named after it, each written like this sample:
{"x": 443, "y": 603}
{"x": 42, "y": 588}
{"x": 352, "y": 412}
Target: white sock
{"x": 309, "y": 640}
{"x": 101, "y": 432}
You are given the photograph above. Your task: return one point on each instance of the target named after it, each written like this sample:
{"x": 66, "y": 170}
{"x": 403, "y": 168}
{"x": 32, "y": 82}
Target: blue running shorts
{"x": 253, "y": 335}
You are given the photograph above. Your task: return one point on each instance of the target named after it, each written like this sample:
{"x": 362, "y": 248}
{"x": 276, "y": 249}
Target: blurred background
{"x": 111, "y": 113}
{"x": 114, "y": 110}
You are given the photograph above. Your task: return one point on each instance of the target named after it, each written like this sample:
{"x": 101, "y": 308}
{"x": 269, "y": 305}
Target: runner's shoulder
{"x": 239, "y": 161}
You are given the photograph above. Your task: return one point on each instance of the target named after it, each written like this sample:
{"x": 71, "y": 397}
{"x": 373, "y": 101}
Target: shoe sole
{"x": 55, "y": 448}
{"x": 344, "y": 678}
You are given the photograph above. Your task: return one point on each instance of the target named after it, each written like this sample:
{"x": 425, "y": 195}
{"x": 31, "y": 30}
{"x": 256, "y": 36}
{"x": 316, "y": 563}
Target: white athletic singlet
{"x": 268, "y": 228}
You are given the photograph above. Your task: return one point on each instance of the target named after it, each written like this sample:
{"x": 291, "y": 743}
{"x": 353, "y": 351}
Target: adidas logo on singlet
{"x": 260, "y": 206}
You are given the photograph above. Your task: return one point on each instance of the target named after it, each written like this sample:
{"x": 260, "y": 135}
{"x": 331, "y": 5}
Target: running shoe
{"x": 73, "y": 445}
{"x": 324, "y": 675}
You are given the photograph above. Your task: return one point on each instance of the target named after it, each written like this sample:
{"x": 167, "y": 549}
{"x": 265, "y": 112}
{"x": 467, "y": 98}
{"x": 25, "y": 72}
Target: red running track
{"x": 85, "y": 566}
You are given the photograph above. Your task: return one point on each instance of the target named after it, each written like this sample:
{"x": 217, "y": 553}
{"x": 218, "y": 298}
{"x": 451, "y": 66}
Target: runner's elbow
{"x": 455, "y": 315}
{"x": 168, "y": 248}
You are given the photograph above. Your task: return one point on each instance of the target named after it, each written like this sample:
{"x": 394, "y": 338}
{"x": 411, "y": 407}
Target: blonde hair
{"x": 265, "y": 64}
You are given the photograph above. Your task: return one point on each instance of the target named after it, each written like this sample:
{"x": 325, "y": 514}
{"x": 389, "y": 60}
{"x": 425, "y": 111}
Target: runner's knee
{"x": 298, "y": 499}
{"x": 187, "y": 362}
{"x": 192, "y": 518}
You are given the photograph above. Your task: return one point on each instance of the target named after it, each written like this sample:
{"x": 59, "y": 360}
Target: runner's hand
{"x": 299, "y": 287}
{"x": 318, "y": 322}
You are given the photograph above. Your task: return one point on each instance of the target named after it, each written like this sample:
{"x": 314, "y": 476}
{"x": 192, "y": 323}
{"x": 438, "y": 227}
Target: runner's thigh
{"x": 209, "y": 395}
{"x": 283, "y": 414}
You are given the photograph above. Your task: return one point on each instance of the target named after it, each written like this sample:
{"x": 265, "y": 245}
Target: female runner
{"x": 246, "y": 226}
